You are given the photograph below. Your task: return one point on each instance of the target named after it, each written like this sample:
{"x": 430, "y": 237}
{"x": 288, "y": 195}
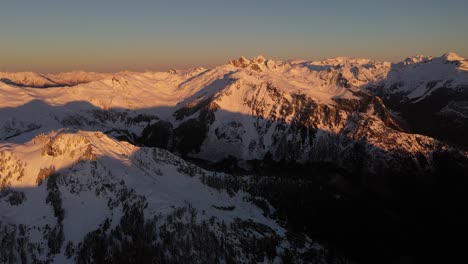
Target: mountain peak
{"x": 258, "y": 59}
{"x": 241, "y": 62}
{"x": 416, "y": 59}
{"x": 254, "y": 64}
{"x": 452, "y": 56}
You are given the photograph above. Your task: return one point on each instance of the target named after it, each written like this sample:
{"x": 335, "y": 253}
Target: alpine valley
{"x": 342, "y": 160}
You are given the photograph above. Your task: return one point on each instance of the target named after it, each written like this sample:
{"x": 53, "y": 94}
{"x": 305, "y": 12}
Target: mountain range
{"x": 240, "y": 163}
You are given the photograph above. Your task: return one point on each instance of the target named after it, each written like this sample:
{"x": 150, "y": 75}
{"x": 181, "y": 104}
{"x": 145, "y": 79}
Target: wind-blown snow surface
{"x": 68, "y": 181}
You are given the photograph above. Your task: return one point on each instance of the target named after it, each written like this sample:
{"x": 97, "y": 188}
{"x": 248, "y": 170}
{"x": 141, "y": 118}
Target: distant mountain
{"x": 117, "y": 150}
{"x": 37, "y": 80}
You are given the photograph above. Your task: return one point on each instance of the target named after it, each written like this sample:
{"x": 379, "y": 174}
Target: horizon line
{"x": 214, "y": 65}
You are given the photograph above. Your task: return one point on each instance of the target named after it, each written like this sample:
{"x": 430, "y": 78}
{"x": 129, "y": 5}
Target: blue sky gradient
{"x": 53, "y": 35}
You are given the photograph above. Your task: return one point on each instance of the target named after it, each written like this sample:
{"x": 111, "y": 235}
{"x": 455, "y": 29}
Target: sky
{"x": 113, "y": 35}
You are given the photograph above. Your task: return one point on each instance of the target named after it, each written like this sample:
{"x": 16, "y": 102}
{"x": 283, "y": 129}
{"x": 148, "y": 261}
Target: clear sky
{"x": 112, "y": 35}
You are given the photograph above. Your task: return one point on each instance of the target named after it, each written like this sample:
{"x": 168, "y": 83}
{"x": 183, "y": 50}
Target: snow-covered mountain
{"x": 109, "y": 149}
{"x": 416, "y": 78}
{"x": 37, "y": 80}
{"x": 65, "y": 190}
{"x": 430, "y": 94}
